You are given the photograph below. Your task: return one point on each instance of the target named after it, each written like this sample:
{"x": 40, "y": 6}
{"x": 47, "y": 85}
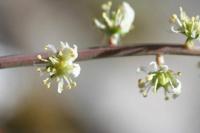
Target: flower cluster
{"x": 159, "y": 76}
{"x": 60, "y": 66}
{"x": 190, "y": 27}
{"x": 116, "y": 23}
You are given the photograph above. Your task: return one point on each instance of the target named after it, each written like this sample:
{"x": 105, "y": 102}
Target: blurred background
{"x": 107, "y": 99}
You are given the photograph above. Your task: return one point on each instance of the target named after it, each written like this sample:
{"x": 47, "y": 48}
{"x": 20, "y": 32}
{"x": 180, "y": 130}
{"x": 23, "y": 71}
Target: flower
{"x": 60, "y": 66}
{"x": 116, "y": 23}
{"x": 190, "y": 27}
{"x": 159, "y": 76}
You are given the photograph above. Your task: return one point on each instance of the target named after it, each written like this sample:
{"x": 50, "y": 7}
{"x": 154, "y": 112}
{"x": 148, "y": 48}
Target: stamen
{"x": 40, "y": 58}
{"x": 68, "y": 82}
{"x": 166, "y": 96}
{"x": 45, "y": 81}
{"x": 53, "y": 60}
{"x": 155, "y": 86}
{"x": 48, "y": 85}
{"x": 60, "y": 86}
{"x": 39, "y": 69}
{"x": 107, "y": 19}
{"x": 175, "y": 30}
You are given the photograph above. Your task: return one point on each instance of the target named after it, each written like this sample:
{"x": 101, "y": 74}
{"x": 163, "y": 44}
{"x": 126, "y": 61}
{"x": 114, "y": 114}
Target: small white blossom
{"x": 159, "y": 76}
{"x": 190, "y": 27}
{"x": 60, "y": 66}
{"x": 116, "y": 23}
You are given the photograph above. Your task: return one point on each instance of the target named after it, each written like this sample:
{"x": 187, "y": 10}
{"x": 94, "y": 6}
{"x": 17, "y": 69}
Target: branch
{"x": 104, "y": 52}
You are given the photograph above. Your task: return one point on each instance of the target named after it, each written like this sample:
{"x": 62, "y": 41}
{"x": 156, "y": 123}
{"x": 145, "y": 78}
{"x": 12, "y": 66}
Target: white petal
{"x": 155, "y": 66}
{"x": 128, "y": 17}
{"x": 75, "y": 52}
{"x": 75, "y": 48}
{"x": 76, "y": 70}
{"x": 70, "y": 53}
{"x": 165, "y": 67}
{"x": 51, "y": 47}
{"x": 142, "y": 69}
{"x": 177, "y": 90}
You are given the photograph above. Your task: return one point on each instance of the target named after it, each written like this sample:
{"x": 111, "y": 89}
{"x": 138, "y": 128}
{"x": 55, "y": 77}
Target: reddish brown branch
{"x": 104, "y": 52}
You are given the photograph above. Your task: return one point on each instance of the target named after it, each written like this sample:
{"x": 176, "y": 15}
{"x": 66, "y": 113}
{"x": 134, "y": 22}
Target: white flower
{"x": 190, "y": 27}
{"x": 159, "y": 76}
{"x": 116, "y": 23}
{"x": 60, "y": 66}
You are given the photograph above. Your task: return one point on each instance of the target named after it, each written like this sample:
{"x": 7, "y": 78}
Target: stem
{"x": 104, "y": 52}
{"x": 189, "y": 44}
{"x": 160, "y": 59}
{"x": 110, "y": 42}
{"x": 114, "y": 40}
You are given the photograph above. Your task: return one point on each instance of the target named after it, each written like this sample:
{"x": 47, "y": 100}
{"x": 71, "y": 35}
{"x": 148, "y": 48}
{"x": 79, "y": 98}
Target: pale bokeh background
{"x": 107, "y": 99}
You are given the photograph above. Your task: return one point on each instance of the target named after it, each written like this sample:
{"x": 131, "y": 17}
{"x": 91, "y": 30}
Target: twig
{"x": 104, "y": 52}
